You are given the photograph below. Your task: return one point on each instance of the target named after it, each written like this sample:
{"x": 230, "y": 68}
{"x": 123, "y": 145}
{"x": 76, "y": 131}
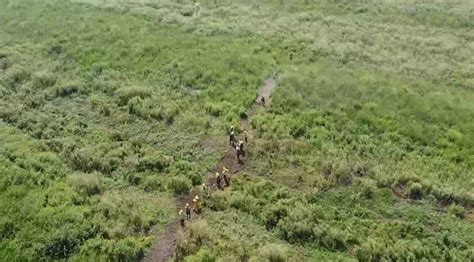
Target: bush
{"x": 86, "y": 184}
{"x": 127, "y": 93}
{"x": 368, "y": 188}
{"x": 218, "y": 201}
{"x": 415, "y": 191}
{"x": 457, "y": 210}
{"x": 273, "y": 253}
{"x": 153, "y": 161}
{"x": 153, "y": 183}
{"x": 69, "y": 88}
{"x": 197, "y": 235}
{"x": 17, "y": 76}
{"x": 179, "y": 185}
{"x": 42, "y": 81}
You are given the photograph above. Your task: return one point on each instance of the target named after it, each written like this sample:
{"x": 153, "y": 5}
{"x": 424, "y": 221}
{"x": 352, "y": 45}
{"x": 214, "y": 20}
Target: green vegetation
{"x": 366, "y": 152}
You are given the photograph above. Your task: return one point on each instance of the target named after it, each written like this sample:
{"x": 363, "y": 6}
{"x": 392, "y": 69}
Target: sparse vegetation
{"x": 365, "y": 153}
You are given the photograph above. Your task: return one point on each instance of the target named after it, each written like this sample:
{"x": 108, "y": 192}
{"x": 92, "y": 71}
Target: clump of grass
{"x": 415, "y": 190}
{"x": 43, "y": 80}
{"x": 70, "y": 88}
{"x": 197, "y": 235}
{"x": 86, "y": 184}
{"x": 179, "y": 185}
{"x": 274, "y": 253}
{"x": 125, "y": 94}
{"x": 457, "y": 210}
{"x": 17, "y": 76}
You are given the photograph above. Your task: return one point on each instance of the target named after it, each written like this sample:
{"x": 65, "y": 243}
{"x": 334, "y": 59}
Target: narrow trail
{"x": 165, "y": 246}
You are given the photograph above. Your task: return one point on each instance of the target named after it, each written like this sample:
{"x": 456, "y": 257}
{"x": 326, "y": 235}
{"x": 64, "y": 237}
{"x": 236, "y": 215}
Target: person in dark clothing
{"x": 226, "y": 180}
{"x": 241, "y": 147}
{"x": 262, "y": 100}
{"x": 188, "y": 211}
{"x": 238, "y": 153}
{"x": 218, "y": 181}
{"x": 181, "y": 217}
{"x": 232, "y": 138}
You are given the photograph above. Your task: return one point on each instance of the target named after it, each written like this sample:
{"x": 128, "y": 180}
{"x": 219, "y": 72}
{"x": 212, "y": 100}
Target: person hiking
{"x": 226, "y": 179}
{"x": 262, "y": 100}
{"x": 232, "y": 138}
{"x": 218, "y": 181}
{"x": 245, "y": 136}
{"x": 238, "y": 154}
{"x": 188, "y": 211}
{"x": 205, "y": 190}
{"x": 181, "y": 217}
{"x": 241, "y": 147}
{"x": 224, "y": 170}
{"x": 197, "y": 204}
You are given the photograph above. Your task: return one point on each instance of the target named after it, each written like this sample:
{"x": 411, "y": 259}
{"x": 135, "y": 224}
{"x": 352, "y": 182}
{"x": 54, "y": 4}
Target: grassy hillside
{"x": 366, "y": 152}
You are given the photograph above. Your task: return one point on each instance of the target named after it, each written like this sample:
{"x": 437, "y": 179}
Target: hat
{"x": 187, "y": 204}
{"x": 217, "y": 174}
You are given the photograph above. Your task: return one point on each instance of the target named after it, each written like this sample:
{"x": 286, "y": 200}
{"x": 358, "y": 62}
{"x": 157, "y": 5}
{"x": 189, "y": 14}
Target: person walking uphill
{"x": 226, "y": 180}
{"x": 197, "y": 204}
{"x": 188, "y": 211}
{"x": 238, "y": 154}
{"x": 232, "y": 139}
{"x": 218, "y": 181}
{"x": 181, "y": 217}
{"x": 241, "y": 147}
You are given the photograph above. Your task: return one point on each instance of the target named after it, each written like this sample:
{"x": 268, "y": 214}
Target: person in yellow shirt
{"x": 181, "y": 217}
{"x": 197, "y": 204}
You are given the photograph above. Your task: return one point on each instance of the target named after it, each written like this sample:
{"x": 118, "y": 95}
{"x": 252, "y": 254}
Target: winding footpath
{"x": 165, "y": 246}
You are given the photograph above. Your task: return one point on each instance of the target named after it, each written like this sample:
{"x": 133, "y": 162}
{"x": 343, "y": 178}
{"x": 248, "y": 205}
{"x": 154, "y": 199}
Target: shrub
{"x": 86, "y": 184}
{"x": 274, "y": 253}
{"x": 153, "y": 161}
{"x": 368, "y": 188}
{"x": 197, "y": 235}
{"x": 153, "y": 183}
{"x": 415, "y": 191}
{"x": 69, "y": 88}
{"x": 218, "y": 201}
{"x": 246, "y": 203}
{"x": 203, "y": 255}
{"x": 17, "y": 76}
{"x": 457, "y": 210}
{"x": 127, "y": 93}
{"x": 128, "y": 249}
{"x": 179, "y": 185}
{"x": 41, "y": 81}
{"x": 3, "y": 62}
{"x": 274, "y": 214}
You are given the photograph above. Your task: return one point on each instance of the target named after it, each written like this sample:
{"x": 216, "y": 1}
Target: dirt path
{"x": 165, "y": 246}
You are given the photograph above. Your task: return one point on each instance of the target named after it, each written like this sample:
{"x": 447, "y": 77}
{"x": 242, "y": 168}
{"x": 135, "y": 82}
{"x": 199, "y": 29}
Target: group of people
{"x": 237, "y": 146}
{"x": 221, "y": 179}
{"x": 186, "y": 214}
